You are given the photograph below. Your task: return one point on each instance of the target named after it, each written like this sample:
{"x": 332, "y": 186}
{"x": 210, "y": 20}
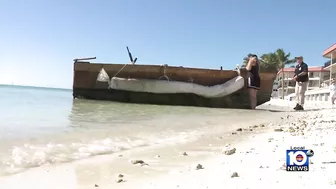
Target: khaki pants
{"x": 300, "y": 89}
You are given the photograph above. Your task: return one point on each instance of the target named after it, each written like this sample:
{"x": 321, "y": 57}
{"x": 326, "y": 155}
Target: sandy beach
{"x": 210, "y": 162}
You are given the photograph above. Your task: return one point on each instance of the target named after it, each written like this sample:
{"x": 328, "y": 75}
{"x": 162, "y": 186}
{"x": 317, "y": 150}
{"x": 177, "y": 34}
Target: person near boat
{"x": 253, "y": 79}
{"x": 332, "y": 89}
{"x": 301, "y": 78}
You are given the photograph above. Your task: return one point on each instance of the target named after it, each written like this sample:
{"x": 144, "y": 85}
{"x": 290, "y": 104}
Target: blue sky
{"x": 39, "y": 39}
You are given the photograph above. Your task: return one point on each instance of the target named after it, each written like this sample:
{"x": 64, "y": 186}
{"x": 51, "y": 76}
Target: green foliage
{"x": 272, "y": 62}
{"x": 269, "y": 62}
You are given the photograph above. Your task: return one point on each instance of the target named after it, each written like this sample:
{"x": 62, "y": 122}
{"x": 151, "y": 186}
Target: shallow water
{"x": 44, "y": 126}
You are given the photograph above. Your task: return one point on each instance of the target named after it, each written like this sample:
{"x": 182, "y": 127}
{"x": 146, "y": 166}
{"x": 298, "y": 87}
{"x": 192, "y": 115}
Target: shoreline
{"x": 169, "y": 168}
{"x": 66, "y": 147}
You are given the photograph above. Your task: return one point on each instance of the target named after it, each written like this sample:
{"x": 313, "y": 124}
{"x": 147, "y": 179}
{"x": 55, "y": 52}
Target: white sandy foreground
{"x": 258, "y": 161}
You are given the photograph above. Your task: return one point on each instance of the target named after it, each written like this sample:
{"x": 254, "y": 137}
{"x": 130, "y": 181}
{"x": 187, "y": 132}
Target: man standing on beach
{"x": 301, "y": 78}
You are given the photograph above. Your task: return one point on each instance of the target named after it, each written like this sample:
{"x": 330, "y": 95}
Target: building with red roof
{"x": 331, "y": 54}
{"x": 317, "y": 76}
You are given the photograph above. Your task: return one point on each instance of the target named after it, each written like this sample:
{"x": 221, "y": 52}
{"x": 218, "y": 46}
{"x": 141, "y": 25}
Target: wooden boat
{"x": 166, "y": 85}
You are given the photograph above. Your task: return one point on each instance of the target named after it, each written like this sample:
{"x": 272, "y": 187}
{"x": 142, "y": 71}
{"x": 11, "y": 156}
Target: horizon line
{"x": 14, "y": 85}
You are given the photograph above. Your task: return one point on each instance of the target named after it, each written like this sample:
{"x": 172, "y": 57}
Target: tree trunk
{"x": 283, "y": 82}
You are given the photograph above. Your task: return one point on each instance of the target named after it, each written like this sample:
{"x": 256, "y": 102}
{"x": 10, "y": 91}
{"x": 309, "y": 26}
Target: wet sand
{"x": 258, "y": 159}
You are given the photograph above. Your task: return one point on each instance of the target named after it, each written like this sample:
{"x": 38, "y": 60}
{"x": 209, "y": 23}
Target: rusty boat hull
{"x": 85, "y": 85}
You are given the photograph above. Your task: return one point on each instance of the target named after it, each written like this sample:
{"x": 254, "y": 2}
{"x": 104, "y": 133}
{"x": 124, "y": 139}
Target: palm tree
{"x": 269, "y": 63}
{"x": 273, "y": 62}
{"x": 282, "y": 60}
{"x": 268, "y": 60}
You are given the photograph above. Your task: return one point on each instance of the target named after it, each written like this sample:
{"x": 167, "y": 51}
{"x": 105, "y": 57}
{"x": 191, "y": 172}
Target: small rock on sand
{"x": 144, "y": 164}
{"x": 283, "y": 166}
{"x": 239, "y": 129}
{"x": 234, "y": 174}
{"x": 137, "y": 162}
{"x": 184, "y": 154}
{"x": 199, "y": 166}
{"x": 120, "y": 180}
{"x": 261, "y": 167}
{"x": 291, "y": 130}
{"x": 120, "y": 176}
{"x": 278, "y": 130}
{"x": 229, "y": 151}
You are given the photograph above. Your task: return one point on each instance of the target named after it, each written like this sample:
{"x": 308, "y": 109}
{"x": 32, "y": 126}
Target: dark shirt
{"x": 303, "y": 67}
{"x": 254, "y": 71}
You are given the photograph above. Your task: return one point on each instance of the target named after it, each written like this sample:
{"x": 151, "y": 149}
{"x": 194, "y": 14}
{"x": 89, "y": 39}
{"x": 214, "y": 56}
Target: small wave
{"x": 32, "y": 155}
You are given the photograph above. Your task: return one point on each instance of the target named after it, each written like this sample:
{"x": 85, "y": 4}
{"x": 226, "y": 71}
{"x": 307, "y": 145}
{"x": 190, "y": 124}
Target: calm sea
{"x": 45, "y": 126}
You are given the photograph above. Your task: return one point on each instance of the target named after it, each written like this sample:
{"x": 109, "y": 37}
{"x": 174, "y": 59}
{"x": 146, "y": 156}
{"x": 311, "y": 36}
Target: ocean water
{"x": 46, "y": 126}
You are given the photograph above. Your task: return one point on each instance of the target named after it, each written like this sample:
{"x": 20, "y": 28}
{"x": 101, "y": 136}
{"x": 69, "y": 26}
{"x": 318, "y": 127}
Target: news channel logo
{"x": 297, "y": 159}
